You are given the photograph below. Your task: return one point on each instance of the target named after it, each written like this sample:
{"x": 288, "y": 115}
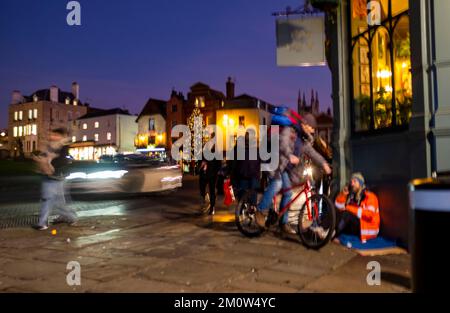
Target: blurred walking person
{"x": 53, "y": 164}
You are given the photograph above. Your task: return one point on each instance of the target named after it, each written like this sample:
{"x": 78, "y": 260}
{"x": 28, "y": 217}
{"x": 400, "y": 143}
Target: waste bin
{"x": 430, "y": 234}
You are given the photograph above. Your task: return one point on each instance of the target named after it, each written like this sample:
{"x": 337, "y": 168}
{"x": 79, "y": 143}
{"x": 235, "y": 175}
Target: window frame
{"x": 389, "y": 23}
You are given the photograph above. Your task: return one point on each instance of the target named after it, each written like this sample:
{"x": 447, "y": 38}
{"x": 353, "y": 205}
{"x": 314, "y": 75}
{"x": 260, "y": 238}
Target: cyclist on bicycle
{"x": 295, "y": 141}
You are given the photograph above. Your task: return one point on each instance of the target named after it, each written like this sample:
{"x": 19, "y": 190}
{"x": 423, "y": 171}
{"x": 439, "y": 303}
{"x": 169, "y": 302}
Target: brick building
{"x": 30, "y": 118}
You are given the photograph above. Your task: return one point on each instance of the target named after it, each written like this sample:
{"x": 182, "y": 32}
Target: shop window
{"x": 381, "y": 67}
{"x": 403, "y": 77}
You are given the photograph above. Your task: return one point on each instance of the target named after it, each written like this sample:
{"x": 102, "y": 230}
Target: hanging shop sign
{"x": 301, "y": 41}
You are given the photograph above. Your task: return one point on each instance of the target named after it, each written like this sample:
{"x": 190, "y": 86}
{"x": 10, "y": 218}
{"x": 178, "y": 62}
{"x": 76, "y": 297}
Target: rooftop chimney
{"x": 76, "y": 90}
{"x": 16, "y": 97}
{"x": 54, "y": 94}
{"x": 230, "y": 89}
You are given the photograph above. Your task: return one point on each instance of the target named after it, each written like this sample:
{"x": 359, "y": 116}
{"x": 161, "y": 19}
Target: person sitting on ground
{"x": 358, "y": 211}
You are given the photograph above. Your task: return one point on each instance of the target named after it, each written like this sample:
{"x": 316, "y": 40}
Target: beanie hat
{"x": 360, "y": 178}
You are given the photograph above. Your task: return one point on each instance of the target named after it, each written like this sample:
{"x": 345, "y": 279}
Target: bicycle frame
{"x": 306, "y": 189}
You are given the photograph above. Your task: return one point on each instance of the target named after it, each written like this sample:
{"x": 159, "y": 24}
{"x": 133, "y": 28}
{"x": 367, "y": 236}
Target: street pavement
{"x": 159, "y": 243}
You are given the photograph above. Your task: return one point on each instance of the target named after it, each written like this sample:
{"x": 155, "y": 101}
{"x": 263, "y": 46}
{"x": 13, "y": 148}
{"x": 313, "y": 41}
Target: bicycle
{"x": 314, "y": 221}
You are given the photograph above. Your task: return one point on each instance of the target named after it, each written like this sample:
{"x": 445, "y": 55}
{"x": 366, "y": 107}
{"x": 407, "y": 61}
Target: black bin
{"x": 430, "y": 234}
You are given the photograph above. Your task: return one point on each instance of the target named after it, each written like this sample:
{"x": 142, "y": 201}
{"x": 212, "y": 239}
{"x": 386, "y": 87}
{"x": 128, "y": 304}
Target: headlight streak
{"x": 170, "y": 179}
{"x": 97, "y": 175}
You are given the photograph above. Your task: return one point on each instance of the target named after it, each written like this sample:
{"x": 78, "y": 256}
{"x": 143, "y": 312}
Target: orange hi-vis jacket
{"x": 367, "y": 211}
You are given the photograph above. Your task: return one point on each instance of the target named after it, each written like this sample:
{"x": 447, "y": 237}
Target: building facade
{"x": 30, "y": 118}
{"x": 175, "y": 115}
{"x": 240, "y": 114}
{"x": 152, "y": 131}
{"x": 207, "y": 100}
{"x": 391, "y": 102}
{"x": 103, "y": 132}
{"x": 4, "y": 144}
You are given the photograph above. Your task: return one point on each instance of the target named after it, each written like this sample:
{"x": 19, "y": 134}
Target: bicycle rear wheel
{"x": 245, "y": 216}
{"x": 316, "y": 222}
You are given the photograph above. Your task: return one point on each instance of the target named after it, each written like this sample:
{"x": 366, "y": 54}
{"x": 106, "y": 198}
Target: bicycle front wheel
{"x": 316, "y": 222}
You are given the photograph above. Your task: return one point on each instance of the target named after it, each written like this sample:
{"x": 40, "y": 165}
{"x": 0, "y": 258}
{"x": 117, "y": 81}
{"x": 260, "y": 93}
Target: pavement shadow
{"x": 396, "y": 279}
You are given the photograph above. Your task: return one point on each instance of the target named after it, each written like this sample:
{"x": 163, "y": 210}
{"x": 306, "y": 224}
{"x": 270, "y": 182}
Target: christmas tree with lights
{"x": 195, "y": 123}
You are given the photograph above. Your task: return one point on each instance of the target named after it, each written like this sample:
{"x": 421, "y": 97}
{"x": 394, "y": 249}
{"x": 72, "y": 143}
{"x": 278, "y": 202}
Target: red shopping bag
{"x": 228, "y": 192}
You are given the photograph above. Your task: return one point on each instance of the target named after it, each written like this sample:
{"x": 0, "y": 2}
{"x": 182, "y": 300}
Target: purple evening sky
{"x": 127, "y": 51}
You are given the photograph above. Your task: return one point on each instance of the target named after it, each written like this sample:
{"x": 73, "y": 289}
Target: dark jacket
{"x": 60, "y": 162}
{"x": 213, "y": 166}
{"x": 245, "y": 169}
{"x": 305, "y": 151}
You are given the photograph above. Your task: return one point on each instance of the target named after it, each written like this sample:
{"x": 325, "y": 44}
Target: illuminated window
{"x": 20, "y": 131}
{"x": 84, "y": 126}
{"x": 30, "y": 114}
{"x": 108, "y": 136}
{"x": 16, "y": 116}
{"x": 84, "y": 138}
{"x": 96, "y": 124}
{"x": 74, "y": 138}
{"x": 381, "y": 73}
{"x": 67, "y": 100}
{"x": 35, "y": 98}
{"x": 75, "y": 102}
{"x": 242, "y": 121}
{"x": 35, "y": 113}
{"x": 34, "y": 129}
{"x": 15, "y": 132}
{"x": 151, "y": 124}
{"x": 20, "y": 115}
{"x": 96, "y": 137}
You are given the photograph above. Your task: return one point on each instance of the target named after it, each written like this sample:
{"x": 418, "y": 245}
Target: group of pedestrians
{"x": 358, "y": 211}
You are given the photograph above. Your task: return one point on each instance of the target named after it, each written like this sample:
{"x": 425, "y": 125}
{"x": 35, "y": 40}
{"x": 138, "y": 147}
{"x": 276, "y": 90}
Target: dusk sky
{"x": 127, "y": 51}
